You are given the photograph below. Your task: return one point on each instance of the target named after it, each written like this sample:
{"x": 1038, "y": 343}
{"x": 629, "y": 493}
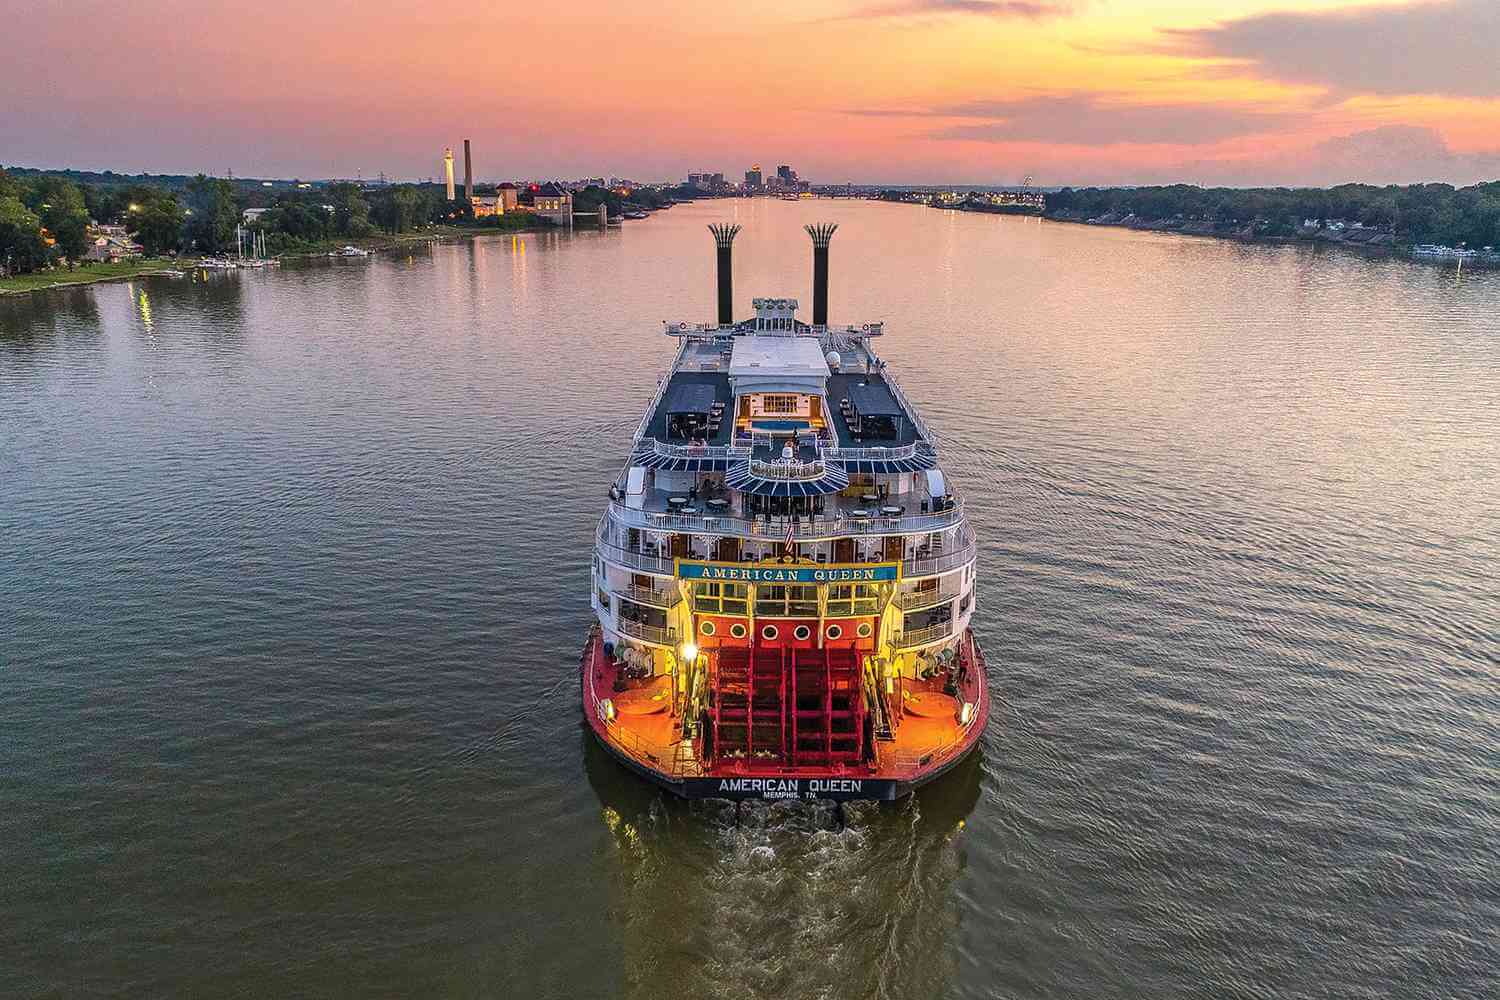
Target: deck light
{"x": 689, "y": 652}
{"x": 966, "y": 714}
{"x": 607, "y": 710}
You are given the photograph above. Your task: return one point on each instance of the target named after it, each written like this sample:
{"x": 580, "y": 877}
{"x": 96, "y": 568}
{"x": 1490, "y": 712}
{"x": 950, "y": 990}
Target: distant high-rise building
{"x": 448, "y": 170}
{"x": 753, "y": 179}
{"x": 716, "y": 182}
{"x": 786, "y": 174}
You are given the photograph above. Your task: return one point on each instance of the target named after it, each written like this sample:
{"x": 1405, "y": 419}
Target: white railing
{"x": 649, "y": 633}
{"x": 661, "y": 597}
{"x": 698, "y": 450}
{"x": 933, "y": 565}
{"x": 923, "y": 636}
{"x": 822, "y": 527}
{"x": 910, "y": 600}
{"x": 788, "y": 469}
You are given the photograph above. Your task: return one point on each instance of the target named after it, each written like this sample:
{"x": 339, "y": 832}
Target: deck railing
{"x": 648, "y": 633}
{"x": 910, "y": 600}
{"x": 821, "y": 527}
{"x": 661, "y": 597}
{"x": 923, "y": 636}
{"x": 789, "y": 470}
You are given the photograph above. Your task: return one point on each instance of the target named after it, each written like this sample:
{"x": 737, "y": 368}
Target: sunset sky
{"x": 934, "y": 91}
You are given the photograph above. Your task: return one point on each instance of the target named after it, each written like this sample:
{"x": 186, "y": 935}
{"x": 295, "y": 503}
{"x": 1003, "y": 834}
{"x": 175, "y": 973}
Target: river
{"x": 294, "y": 576}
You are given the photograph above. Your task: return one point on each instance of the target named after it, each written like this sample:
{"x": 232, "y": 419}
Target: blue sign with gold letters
{"x": 788, "y": 572}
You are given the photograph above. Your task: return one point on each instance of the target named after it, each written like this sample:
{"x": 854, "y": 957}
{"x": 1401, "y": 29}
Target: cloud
{"x": 1091, "y": 120}
{"x": 1024, "y": 10}
{"x": 1445, "y": 47}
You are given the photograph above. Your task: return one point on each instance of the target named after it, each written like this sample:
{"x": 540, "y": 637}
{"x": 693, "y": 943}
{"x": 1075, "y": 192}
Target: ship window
{"x": 778, "y": 404}
{"x": 715, "y": 598}
{"x": 769, "y": 632}
{"x": 604, "y": 600}
{"x": 835, "y": 632}
{"x": 840, "y": 600}
{"x": 737, "y": 630}
{"x": 866, "y": 598}
{"x": 781, "y": 600}
{"x": 865, "y": 630}
{"x": 802, "y": 632}
{"x": 707, "y": 628}
{"x": 967, "y": 603}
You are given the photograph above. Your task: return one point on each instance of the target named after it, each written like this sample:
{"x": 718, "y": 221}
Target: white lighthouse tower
{"x": 448, "y": 170}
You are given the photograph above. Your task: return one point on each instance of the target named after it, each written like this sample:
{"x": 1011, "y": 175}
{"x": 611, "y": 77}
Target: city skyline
{"x": 901, "y": 92}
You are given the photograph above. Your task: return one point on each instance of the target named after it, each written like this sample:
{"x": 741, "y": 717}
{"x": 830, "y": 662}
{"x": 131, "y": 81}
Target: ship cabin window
{"x": 714, "y": 598}
{"x": 779, "y": 405}
{"x": 845, "y": 600}
{"x": 604, "y": 600}
{"x": 786, "y": 601}
{"x": 967, "y": 603}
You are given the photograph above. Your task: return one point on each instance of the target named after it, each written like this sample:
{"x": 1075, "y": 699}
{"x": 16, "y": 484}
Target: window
{"x": 801, "y": 632}
{"x": 779, "y": 404}
{"x": 865, "y": 630}
{"x": 835, "y": 632}
{"x": 853, "y": 599}
{"x": 787, "y": 601}
{"x": 721, "y": 598}
{"x": 707, "y": 628}
{"x": 769, "y": 632}
{"x": 737, "y": 630}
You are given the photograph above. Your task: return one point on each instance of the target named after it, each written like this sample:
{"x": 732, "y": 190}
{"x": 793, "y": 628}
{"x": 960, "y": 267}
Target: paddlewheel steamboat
{"x": 783, "y": 577}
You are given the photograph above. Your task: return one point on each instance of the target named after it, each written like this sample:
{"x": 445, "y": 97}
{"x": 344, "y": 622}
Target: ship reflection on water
{"x": 714, "y": 898}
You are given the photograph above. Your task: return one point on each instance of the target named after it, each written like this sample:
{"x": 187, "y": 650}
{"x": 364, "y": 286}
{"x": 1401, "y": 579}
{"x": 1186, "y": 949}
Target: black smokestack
{"x": 821, "y": 234}
{"x": 724, "y": 234}
{"x": 468, "y": 174}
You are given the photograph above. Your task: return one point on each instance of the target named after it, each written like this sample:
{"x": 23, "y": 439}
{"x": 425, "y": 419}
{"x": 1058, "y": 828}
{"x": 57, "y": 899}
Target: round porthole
{"x": 707, "y": 628}
{"x": 835, "y": 632}
{"x": 801, "y": 632}
{"x": 769, "y": 632}
{"x": 737, "y": 630}
{"x": 865, "y": 630}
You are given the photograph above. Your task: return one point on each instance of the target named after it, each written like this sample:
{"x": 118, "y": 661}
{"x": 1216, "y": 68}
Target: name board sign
{"x": 788, "y": 572}
{"x": 842, "y": 789}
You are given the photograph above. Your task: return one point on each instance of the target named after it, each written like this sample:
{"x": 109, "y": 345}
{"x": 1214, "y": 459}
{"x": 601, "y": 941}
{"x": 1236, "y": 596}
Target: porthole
{"x": 737, "y": 630}
{"x": 865, "y": 630}
{"x": 801, "y": 632}
{"x": 835, "y": 632}
{"x": 769, "y": 632}
{"x": 707, "y": 628}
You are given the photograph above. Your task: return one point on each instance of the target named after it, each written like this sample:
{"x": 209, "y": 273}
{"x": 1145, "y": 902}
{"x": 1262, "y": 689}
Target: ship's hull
{"x": 677, "y": 769}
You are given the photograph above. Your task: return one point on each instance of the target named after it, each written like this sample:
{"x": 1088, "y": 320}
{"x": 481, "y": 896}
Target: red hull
{"x": 922, "y": 749}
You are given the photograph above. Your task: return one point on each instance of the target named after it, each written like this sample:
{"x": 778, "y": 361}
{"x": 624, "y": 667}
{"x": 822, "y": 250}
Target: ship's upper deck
{"x": 706, "y": 399}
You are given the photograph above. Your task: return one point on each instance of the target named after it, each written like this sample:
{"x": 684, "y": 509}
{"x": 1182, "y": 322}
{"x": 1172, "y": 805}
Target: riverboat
{"x": 783, "y": 577}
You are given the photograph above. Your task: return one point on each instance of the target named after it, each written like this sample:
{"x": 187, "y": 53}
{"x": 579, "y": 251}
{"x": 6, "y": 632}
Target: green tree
{"x": 22, "y": 248}
{"x": 212, "y": 214}
{"x": 60, "y": 205}
{"x": 156, "y": 224}
{"x": 351, "y": 213}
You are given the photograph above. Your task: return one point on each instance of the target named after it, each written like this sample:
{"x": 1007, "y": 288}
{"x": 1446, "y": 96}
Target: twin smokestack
{"x": 724, "y": 234}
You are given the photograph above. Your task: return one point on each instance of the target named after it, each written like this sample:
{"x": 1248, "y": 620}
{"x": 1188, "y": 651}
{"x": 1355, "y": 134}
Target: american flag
{"x": 789, "y": 547}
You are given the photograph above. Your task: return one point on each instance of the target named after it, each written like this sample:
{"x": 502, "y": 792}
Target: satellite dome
{"x": 833, "y": 359}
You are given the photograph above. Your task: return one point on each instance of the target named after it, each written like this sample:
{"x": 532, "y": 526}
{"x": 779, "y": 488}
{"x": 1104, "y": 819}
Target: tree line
{"x": 1415, "y": 213}
{"x": 44, "y": 218}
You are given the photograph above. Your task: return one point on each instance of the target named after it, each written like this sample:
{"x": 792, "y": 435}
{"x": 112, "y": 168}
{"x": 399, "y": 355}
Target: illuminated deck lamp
{"x": 966, "y": 714}
{"x": 689, "y": 652}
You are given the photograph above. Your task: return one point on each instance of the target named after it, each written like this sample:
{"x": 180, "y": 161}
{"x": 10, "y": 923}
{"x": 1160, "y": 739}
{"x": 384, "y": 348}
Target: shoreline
{"x": 105, "y": 273}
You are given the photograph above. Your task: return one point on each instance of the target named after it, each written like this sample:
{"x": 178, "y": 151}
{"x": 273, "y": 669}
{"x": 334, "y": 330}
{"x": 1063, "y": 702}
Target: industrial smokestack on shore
{"x": 724, "y": 234}
{"x": 821, "y": 235}
{"x": 468, "y": 174}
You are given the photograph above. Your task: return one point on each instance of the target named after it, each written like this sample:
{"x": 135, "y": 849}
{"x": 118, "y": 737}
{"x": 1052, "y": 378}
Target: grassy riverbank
{"x": 88, "y": 274}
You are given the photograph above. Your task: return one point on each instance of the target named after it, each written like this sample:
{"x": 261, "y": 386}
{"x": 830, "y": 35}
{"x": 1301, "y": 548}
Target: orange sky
{"x": 963, "y": 91}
